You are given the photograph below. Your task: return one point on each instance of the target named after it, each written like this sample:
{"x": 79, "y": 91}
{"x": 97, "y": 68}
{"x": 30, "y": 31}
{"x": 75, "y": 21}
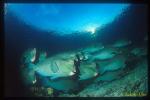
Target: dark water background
{"x": 132, "y": 24}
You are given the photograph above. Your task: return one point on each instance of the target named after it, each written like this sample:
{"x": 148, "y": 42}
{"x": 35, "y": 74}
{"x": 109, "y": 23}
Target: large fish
{"x": 139, "y": 51}
{"x": 88, "y": 70}
{"x": 29, "y": 56}
{"x": 109, "y": 76}
{"x": 59, "y": 66}
{"x": 121, "y": 43}
{"x": 111, "y": 65}
{"x": 106, "y": 53}
{"x": 65, "y": 68}
{"x": 55, "y": 68}
{"x": 93, "y": 48}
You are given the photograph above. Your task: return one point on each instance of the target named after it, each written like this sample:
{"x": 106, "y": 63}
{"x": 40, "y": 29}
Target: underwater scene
{"x": 76, "y": 50}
